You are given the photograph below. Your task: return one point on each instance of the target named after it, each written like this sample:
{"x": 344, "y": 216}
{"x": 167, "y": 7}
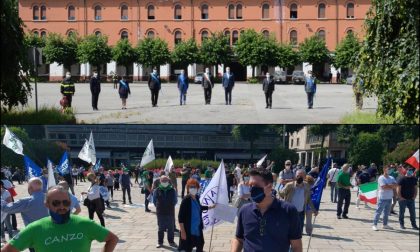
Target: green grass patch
{"x": 359, "y": 117}
{"x": 44, "y": 115}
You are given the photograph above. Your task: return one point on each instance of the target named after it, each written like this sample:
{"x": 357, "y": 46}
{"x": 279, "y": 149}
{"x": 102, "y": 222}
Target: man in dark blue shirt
{"x": 267, "y": 224}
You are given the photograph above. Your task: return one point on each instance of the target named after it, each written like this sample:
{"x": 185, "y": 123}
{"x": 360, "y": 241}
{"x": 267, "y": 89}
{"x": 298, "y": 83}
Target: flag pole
{"x": 211, "y": 237}
{"x": 310, "y": 237}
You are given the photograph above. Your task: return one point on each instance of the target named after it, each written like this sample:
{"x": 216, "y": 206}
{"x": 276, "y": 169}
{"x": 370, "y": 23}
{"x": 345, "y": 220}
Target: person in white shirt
{"x": 95, "y": 204}
{"x": 332, "y": 177}
{"x": 238, "y": 173}
{"x": 386, "y": 186}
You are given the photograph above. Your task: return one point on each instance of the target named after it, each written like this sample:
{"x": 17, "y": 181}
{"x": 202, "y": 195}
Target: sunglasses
{"x": 56, "y": 203}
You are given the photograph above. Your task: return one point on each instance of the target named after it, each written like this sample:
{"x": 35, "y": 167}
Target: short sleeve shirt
{"x": 333, "y": 174}
{"x": 408, "y": 187}
{"x": 44, "y": 235}
{"x": 385, "y": 194}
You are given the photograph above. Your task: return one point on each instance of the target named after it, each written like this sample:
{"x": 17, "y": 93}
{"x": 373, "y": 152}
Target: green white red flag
{"x": 369, "y": 192}
{"x": 414, "y": 160}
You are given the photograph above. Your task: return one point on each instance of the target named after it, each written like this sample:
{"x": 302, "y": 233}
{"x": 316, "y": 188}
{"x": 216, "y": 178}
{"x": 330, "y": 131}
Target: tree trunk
{"x": 98, "y": 68}
{"x": 253, "y": 71}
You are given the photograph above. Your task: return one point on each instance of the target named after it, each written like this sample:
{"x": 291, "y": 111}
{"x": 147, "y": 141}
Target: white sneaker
{"x": 387, "y": 227}
{"x": 374, "y": 228}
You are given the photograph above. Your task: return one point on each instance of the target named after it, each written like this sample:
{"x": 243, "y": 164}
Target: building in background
{"x": 290, "y": 21}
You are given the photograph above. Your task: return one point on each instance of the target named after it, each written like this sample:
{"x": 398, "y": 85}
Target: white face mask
{"x": 207, "y": 71}
{"x": 193, "y": 191}
{"x": 95, "y": 75}
{"x": 164, "y": 184}
{"x": 68, "y": 76}
{"x": 268, "y": 76}
{"x": 155, "y": 71}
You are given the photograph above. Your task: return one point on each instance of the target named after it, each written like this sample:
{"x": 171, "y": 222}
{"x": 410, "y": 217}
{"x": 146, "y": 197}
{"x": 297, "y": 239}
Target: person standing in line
{"x": 386, "y": 185}
{"x": 332, "y": 178}
{"x": 67, "y": 88}
{"x": 268, "y": 88}
{"x": 95, "y": 89}
{"x": 124, "y": 91}
{"x": 95, "y": 204}
{"x": 208, "y": 83}
{"x": 310, "y": 88}
{"x": 228, "y": 82}
{"x": 407, "y": 193}
{"x": 344, "y": 194}
{"x": 182, "y": 87}
{"x": 126, "y": 185}
{"x": 154, "y": 86}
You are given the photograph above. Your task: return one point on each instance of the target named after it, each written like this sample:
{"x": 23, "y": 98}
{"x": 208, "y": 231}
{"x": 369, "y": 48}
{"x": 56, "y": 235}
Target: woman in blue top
{"x": 124, "y": 91}
{"x": 183, "y": 87}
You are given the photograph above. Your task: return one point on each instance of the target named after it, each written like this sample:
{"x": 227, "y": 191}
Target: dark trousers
{"x": 14, "y": 222}
{"x": 343, "y": 195}
{"x": 146, "y": 201}
{"x": 269, "y": 98}
{"x": 128, "y": 190}
{"x": 82, "y": 177}
{"x": 191, "y": 242}
{"x": 165, "y": 223}
{"x": 69, "y": 99}
{"x": 95, "y": 97}
{"x": 207, "y": 95}
{"x": 74, "y": 179}
{"x": 184, "y": 183}
{"x": 230, "y": 193}
{"x": 301, "y": 220}
{"x": 111, "y": 189}
{"x": 310, "y": 99}
{"x": 228, "y": 95}
{"x": 92, "y": 211}
{"x": 411, "y": 208}
{"x": 155, "y": 96}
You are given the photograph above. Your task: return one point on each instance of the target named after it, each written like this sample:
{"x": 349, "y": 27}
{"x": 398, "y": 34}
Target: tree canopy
{"x": 313, "y": 50}
{"x": 347, "y": 52}
{"x": 215, "y": 50}
{"x": 153, "y": 52}
{"x": 61, "y": 50}
{"x": 94, "y": 49}
{"x": 124, "y": 54}
{"x": 185, "y": 53}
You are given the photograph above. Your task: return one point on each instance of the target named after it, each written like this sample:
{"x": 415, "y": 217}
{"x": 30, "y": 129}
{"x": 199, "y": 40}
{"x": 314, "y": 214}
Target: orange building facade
{"x": 290, "y": 21}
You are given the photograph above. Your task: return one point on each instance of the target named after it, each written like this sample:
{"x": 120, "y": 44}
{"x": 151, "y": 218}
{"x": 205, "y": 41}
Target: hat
{"x": 288, "y": 162}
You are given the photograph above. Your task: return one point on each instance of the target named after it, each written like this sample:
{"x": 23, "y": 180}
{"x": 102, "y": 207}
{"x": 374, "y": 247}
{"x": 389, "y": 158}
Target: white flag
{"x": 216, "y": 192}
{"x": 261, "y": 161}
{"x": 169, "y": 164}
{"x": 51, "y": 178}
{"x": 84, "y": 152}
{"x": 148, "y": 155}
{"x": 92, "y": 151}
{"x": 11, "y": 141}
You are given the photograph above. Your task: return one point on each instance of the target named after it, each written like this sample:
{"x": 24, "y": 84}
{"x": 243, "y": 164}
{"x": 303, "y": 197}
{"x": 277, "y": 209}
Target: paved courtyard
{"x": 137, "y": 230}
{"x": 331, "y": 103}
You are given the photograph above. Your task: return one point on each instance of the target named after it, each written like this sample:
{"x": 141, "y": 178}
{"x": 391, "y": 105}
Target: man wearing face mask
{"x": 154, "y": 86}
{"x": 287, "y": 174}
{"x": 126, "y": 184}
{"x": 208, "y": 83}
{"x": 228, "y": 82}
{"x": 61, "y": 229}
{"x": 182, "y": 87}
{"x": 268, "y": 224}
{"x": 268, "y": 88}
{"x": 67, "y": 88}
{"x": 95, "y": 89}
{"x": 407, "y": 193}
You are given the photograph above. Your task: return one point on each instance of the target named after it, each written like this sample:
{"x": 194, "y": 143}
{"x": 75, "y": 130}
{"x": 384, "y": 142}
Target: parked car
{"x": 279, "y": 77}
{"x": 350, "y": 79}
{"x": 298, "y": 77}
{"x": 198, "y": 78}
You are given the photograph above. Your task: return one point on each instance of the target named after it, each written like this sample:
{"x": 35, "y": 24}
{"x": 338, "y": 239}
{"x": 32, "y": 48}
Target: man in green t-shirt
{"x": 61, "y": 231}
{"x": 344, "y": 194}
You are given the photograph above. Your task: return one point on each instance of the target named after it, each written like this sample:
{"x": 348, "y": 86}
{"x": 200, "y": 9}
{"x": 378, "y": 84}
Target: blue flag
{"x": 64, "y": 167}
{"x": 31, "y": 169}
{"x": 319, "y": 184}
{"x": 97, "y": 166}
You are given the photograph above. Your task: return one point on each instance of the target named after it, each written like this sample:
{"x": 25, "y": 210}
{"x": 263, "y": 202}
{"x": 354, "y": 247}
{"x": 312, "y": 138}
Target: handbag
{"x": 86, "y": 202}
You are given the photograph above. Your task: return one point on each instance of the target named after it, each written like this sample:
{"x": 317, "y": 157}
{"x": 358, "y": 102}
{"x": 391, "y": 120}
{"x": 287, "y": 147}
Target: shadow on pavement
{"x": 112, "y": 217}
{"x": 329, "y": 237}
{"x": 322, "y": 226}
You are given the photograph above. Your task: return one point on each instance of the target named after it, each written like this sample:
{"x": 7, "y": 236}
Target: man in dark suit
{"x": 228, "y": 81}
{"x": 154, "y": 85}
{"x": 208, "y": 83}
{"x": 95, "y": 89}
{"x": 268, "y": 88}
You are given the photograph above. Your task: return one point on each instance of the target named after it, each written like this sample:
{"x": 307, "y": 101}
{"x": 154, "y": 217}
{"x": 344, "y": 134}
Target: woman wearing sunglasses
{"x": 95, "y": 204}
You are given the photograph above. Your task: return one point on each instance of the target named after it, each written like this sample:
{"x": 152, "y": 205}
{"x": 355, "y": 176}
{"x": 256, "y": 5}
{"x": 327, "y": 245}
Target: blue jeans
{"x": 7, "y": 224}
{"x": 409, "y": 203}
{"x": 384, "y": 205}
{"x": 182, "y": 97}
{"x": 310, "y": 99}
{"x": 334, "y": 192}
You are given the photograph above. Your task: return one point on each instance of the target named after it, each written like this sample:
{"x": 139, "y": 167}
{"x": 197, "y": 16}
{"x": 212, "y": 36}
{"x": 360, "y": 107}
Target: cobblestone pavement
{"x": 137, "y": 230}
{"x": 331, "y": 102}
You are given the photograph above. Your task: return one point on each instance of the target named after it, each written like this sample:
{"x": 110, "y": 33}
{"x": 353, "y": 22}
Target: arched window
{"x": 71, "y": 33}
{"x": 36, "y": 33}
{"x": 227, "y": 34}
{"x": 293, "y": 11}
{"x": 151, "y": 34}
{"x": 71, "y": 13}
{"x": 204, "y": 11}
{"x": 293, "y": 37}
{"x": 266, "y": 33}
{"x": 231, "y": 11}
{"x": 43, "y": 34}
{"x": 98, "y": 12}
{"x": 98, "y": 33}
{"x": 349, "y": 31}
{"x": 124, "y": 35}
{"x": 204, "y": 35}
{"x": 35, "y": 13}
{"x": 178, "y": 37}
{"x": 321, "y": 10}
{"x": 177, "y": 12}
{"x": 235, "y": 37}
{"x": 124, "y": 12}
{"x": 151, "y": 12}
{"x": 265, "y": 11}
{"x": 350, "y": 10}
{"x": 239, "y": 11}
{"x": 43, "y": 12}
{"x": 321, "y": 34}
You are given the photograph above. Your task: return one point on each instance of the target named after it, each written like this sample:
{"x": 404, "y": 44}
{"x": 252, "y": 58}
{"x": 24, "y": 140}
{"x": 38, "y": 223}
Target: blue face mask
{"x": 410, "y": 172}
{"x": 60, "y": 218}
{"x": 257, "y": 194}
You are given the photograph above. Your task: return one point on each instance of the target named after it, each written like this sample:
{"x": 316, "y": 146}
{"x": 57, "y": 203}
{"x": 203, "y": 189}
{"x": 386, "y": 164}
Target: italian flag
{"x": 414, "y": 160}
{"x": 369, "y": 192}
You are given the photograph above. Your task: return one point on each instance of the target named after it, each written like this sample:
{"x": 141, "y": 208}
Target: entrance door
{"x": 238, "y": 70}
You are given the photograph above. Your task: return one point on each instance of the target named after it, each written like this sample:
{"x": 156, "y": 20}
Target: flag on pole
{"x": 215, "y": 193}
{"x": 97, "y": 166}
{"x": 63, "y": 167}
{"x": 31, "y": 169}
{"x": 169, "y": 164}
{"x": 92, "y": 151}
{"x": 148, "y": 155}
{"x": 88, "y": 153}
{"x": 369, "y": 192}
{"x": 319, "y": 185}
{"x": 261, "y": 161}
{"x": 11, "y": 141}
{"x": 51, "y": 178}
{"x": 414, "y": 160}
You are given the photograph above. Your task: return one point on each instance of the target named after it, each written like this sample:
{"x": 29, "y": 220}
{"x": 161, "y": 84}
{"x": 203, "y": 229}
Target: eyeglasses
{"x": 56, "y": 203}
{"x": 263, "y": 223}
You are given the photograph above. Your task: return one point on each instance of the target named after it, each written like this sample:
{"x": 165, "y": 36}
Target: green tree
{"x": 32, "y": 40}
{"x": 250, "y": 133}
{"x": 389, "y": 59}
{"x": 61, "y": 50}
{"x": 215, "y": 50}
{"x": 367, "y": 148}
{"x": 287, "y": 56}
{"x": 347, "y": 52}
{"x": 94, "y": 50}
{"x": 124, "y": 54}
{"x": 314, "y": 51}
{"x": 402, "y": 152}
{"x": 15, "y": 87}
{"x": 280, "y": 155}
{"x": 153, "y": 52}
{"x": 185, "y": 53}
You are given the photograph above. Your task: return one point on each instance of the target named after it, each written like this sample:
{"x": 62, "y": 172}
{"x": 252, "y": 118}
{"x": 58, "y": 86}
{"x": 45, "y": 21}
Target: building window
{"x": 204, "y": 35}
{"x": 349, "y": 31}
{"x": 177, "y": 12}
{"x": 71, "y": 13}
{"x": 204, "y": 11}
{"x": 321, "y": 34}
{"x": 265, "y": 11}
{"x": 43, "y": 34}
{"x": 151, "y": 34}
{"x": 124, "y": 12}
{"x": 293, "y": 11}
{"x": 239, "y": 11}
{"x": 151, "y": 12}
{"x": 231, "y": 11}
{"x": 178, "y": 37}
{"x": 321, "y": 10}
{"x": 36, "y": 34}
{"x": 293, "y": 37}
{"x": 35, "y": 13}
{"x": 350, "y": 10}
{"x": 71, "y": 33}
{"x": 98, "y": 33}
{"x": 43, "y": 12}
{"x": 235, "y": 37}
{"x": 124, "y": 35}
{"x": 291, "y": 143}
{"x": 227, "y": 34}
{"x": 98, "y": 12}
{"x": 266, "y": 33}
{"x": 297, "y": 142}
